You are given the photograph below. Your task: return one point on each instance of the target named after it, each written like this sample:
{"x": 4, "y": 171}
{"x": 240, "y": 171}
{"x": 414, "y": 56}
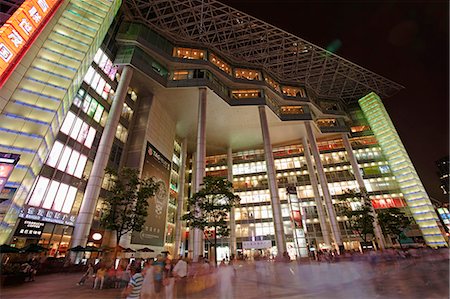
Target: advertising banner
{"x": 157, "y": 166}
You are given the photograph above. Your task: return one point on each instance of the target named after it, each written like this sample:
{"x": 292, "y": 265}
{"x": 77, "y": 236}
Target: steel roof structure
{"x": 241, "y": 38}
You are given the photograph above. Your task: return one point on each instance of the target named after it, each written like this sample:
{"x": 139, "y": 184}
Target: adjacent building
{"x": 295, "y": 128}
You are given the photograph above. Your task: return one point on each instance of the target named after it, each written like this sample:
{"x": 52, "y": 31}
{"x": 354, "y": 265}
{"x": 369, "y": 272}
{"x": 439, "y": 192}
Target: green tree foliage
{"x": 126, "y": 204}
{"x": 210, "y": 207}
{"x": 393, "y": 222}
{"x": 361, "y": 219}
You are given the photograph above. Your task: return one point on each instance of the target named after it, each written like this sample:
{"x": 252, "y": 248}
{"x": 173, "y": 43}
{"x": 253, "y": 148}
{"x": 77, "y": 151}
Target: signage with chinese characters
{"x": 20, "y": 30}
{"x": 29, "y": 229}
{"x": 40, "y": 214}
{"x": 264, "y": 244}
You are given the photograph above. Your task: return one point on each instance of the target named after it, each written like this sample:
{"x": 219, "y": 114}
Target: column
{"x": 317, "y": 198}
{"x": 87, "y": 210}
{"x": 180, "y": 199}
{"x": 273, "y": 186}
{"x": 324, "y": 184}
{"x": 232, "y": 218}
{"x": 362, "y": 188}
{"x": 200, "y": 165}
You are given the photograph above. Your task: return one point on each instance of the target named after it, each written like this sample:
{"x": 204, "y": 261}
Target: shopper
{"x": 89, "y": 273}
{"x": 148, "y": 287}
{"x": 168, "y": 279}
{"x": 100, "y": 277}
{"x": 133, "y": 290}
{"x": 180, "y": 273}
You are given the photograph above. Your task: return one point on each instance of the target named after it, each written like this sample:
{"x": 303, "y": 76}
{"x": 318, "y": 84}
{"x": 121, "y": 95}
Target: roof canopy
{"x": 244, "y": 39}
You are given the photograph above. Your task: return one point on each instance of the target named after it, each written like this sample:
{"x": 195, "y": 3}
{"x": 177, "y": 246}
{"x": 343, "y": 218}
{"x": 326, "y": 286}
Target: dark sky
{"x": 405, "y": 41}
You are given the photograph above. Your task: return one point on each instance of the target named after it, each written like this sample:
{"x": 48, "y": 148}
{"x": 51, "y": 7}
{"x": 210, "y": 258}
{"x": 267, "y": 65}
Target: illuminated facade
{"x": 179, "y": 104}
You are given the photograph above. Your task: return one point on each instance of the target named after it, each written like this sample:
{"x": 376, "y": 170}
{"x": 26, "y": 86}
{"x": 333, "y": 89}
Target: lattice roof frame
{"x": 244, "y": 39}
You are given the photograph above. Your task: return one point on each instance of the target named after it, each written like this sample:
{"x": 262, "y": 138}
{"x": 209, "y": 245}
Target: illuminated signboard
{"x": 7, "y": 163}
{"x": 30, "y": 229}
{"x": 20, "y": 30}
{"x": 41, "y": 214}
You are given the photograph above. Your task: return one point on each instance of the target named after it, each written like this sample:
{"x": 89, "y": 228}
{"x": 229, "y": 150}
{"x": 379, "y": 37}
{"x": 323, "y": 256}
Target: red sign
{"x": 20, "y": 31}
{"x": 385, "y": 203}
{"x": 297, "y": 217}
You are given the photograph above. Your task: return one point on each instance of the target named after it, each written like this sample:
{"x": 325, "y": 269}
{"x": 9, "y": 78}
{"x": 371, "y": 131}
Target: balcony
{"x": 332, "y": 125}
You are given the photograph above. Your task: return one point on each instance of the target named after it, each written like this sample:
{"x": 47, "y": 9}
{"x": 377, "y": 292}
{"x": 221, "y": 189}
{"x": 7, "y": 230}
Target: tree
{"x": 210, "y": 207}
{"x": 361, "y": 219}
{"x": 393, "y": 222}
{"x": 126, "y": 204}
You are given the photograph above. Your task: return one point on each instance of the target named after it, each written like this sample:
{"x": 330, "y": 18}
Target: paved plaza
{"x": 405, "y": 279}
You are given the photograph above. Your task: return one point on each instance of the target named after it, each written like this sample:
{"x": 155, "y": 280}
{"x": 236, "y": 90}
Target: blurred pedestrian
{"x": 225, "y": 276}
{"x": 148, "y": 287}
{"x": 180, "y": 273}
{"x": 133, "y": 290}
{"x": 100, "y": 277}
{"x": 88, "y": 274}
{"x": 168, "y": 279}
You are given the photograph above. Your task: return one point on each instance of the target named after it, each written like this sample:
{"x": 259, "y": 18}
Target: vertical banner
{"x": 157, "y": 166}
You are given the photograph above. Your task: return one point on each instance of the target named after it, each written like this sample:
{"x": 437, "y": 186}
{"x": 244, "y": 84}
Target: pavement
{"x": 411, "y": 279}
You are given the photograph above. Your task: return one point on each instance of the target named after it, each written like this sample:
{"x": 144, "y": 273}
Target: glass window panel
{"x": 103, "y": 60}
{"x": 64, "y": 158}
{"x": 98, "y": 55}
{"x": 48, "y": 201}
{"x": 98, "y": 113}
{"x": 68, "y": 122}
{"x": 106, "y": 91}
{"x": 70, "y": 198}
{"x": 83, "y": 133}
{"x": 60, "y": 196}
{"x": 72, "y": 162}
{"x": 89, "y": 75}
{"x": 80, "y": 166}
{"x": 53, "y": 157}
{"x": 100, "y": 86}
{"x": 90, "y": 137}
{"x": 95, "y": 80}
{"x": 92, "y": 108}
{"x": 76, "y": 128}
{"x": 86, "y": 103}
{"x": 39, "y": 191}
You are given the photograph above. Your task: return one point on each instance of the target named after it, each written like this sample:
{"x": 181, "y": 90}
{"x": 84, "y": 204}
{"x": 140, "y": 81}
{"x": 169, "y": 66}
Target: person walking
{"x": 168, "y": 279}
{"x": 133, "y": 290}
{"x": 100, "y": 277}
{"x": 180, "y": 273}
{"x": 225, "y": 276}
{"x": 158, "y": 273}
{"x": 148, "y": 286}
{"x": 89, "y": 273}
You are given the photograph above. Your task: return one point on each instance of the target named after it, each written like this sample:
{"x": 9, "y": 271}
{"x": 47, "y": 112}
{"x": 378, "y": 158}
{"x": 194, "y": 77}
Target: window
{"x": 68, "y": 122}
{"x": 76, "y": 128}
{"x": 218, "y": 62}
{"x": 83, "y": 133}
{"x": 188, "y": 53}
{"x": 92, "y": 108}
{"x": 80, "y": 166}
{"x": 247, "y": 74}
{"x": 70, "y": 198}
{"x": 60, "y": 197}
{"x": 48, "y": 201}
{"x": 90, "y": 137}
{"x": 72, "y": 162}
{"x": 54, "y": 154}
{"x": 65, "y": 158}
{"x": 39, "y": 191}
{"x": 291, "y": 91}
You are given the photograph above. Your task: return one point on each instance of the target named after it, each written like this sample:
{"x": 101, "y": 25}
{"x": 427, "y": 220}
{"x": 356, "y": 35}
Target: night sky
{"x": 405, "y": 41}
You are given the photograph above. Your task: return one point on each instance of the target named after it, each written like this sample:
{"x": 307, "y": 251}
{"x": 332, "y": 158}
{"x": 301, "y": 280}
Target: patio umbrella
{"x": 33, "y": 248}
{"x": 78, "y": 248}
{"x": 145, "y": 249}
{"x": 5, "y": 248}
{"x": 92, "y": 249}
{"x": 128, "y": 250}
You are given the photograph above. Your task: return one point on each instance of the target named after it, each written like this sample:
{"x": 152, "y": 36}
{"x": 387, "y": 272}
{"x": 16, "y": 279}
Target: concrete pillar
{"x": 362, "y": 188}
{"x": 180, "y": 199}
{"x": 317, "y": 198}
{"x": 200, "y": 165}
{"x": 232, "y": 215}
{"x": 273, "y": 186}
{"x": 324, "y": 185}
{"x": 87, "y": 210}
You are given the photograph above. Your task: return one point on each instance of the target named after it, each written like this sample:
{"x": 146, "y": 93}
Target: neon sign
{"x": 20, "y": 31}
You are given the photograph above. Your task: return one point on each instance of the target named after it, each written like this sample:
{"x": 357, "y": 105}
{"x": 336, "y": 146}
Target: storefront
{"x": 49, "y": 229}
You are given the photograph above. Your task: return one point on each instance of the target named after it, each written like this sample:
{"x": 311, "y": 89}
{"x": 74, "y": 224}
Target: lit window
{"x": 98, "y": 55}
{"x": 98, "y": 113}
{"x": 72, "y": 164}
{"x": 39, "y": 191}
{"x": 100, "y": 86}
{"x": 86, "y": 103}
{"x": 92, "y": 108}
{"x": 60, "y": 196}
{"x": 70, "y": 198}
{"x": 89, "y": 75}
{"x": 68, "y": 122}
{"x": 64, "y": 158}
{"x": 90, "y": 137}
{"x": 54, "y": 154}
{"x": 83, "y": 133}
{"x": 48, "y": 201}
{"x": 76, "y": 128}
{"x": 80, "y": 166}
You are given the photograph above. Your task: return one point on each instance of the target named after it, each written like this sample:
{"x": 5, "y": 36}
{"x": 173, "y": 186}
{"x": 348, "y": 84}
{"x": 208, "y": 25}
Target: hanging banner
{"x": 157, "y": 166}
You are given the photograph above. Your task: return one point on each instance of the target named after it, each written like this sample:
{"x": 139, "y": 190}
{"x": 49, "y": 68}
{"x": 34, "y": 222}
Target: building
{"x": 150, "y": 87}
{"x": 443, "y": 172}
